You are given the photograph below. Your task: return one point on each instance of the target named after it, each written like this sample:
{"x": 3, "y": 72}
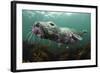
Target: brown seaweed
{"x": 39, "y": 53}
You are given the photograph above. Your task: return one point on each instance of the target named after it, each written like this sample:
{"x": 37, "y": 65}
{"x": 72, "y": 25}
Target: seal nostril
{"x": 52, "y": 24}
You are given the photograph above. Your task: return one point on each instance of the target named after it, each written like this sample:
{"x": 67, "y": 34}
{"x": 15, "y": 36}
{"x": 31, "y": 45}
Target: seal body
{"x": 49, "y": 30}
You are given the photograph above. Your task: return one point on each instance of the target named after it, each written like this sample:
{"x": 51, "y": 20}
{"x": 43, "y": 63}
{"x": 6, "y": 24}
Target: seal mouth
{"x": 36, "y": 29}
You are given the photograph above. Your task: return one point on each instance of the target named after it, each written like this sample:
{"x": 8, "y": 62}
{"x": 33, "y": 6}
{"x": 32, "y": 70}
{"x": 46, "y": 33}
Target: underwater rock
{"x": 85, "y": 52}
{"x": 41, "y": 53}
{"x": 64, "y": 55}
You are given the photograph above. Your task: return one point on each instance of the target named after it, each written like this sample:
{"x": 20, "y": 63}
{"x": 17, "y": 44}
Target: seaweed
{"x": 36, "y": 52}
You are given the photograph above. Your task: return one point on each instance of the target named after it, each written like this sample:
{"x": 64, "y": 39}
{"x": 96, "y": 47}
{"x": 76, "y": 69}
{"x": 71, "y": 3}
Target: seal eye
{"x": 51, "y": 24}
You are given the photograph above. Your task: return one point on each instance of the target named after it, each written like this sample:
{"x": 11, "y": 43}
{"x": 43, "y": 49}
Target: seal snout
{"x": 37, "y": 30}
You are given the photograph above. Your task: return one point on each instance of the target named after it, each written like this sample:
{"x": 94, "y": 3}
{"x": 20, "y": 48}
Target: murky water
{"x": 72, "y": 20}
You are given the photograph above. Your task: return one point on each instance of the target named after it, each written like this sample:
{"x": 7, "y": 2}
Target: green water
{"x": 73, "y": 20}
